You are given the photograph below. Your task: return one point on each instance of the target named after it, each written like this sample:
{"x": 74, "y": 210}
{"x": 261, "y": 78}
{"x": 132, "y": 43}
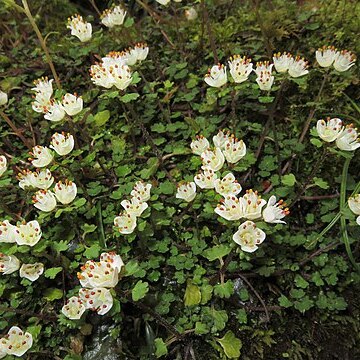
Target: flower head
{"x": 264, "y": 78}
{"x": 28, "y": 233}
{"x": 249, "y": 236}
{"x": 31, "y": 271}
{"x": 282, "y": 62}
{"x": 186, "y": 191}
{"x": 135, "y": 207}
{"x": 275, "y": 211}
{"x": 330, "y": 129}
{"x": 54, "y": 112}
{"x": 240, "y": 68}
{"x": 252, "y": 205}
{"x": 98, "y": 274}
{"x": 163, "y": 2}
{"x": 191, "y": 14}
{"x": 141, "y": 191}
{"x": 3, "y": 98}
{"x": 220, "y": 139}
{"x": 8, "y": 264}
{"x": 73, "y": 308}
{"x": 344, "y": 60}
{"x": 263, "y": 66}
{"x": 7, "y": 232}
{"x": 113, "y": 17}
{"x": 80, "y": 28}
{"x": 62, "y": 143}
{"x": 125, "y": 223}
{"x": 199, "y": 145}
{"x": 113, "y": 259}
{"x": 44, "y": 87}
{"x": 326, "y": 55}
{"x": 214, "y": 159}
{"x": 206, "y": 179}
{"x": 3, "y": 164}
{"x": 25, "y": 179}
{"x": 216, "y": 77}
{"x": 234, "y": 150}
{"x": 140, "y": 51}
{"x": 65, "y": 192}
{"x": 72, "y": 104}
{"x": 297, "y": 67}
{"x": 97, "y": 299}
{"x": 230, "y": 208}
{"x": 16, "y": 342}
{"x": 42, "y": 156}
{"x": 44, "y": 200}
{"x": 41, "y": 179}
{"x": 348, "y": 139}
{"x": 227, "y": 186}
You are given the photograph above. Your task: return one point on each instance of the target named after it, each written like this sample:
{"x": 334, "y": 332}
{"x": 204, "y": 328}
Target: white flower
{"x": 41, "y": 179}
{"x": 43, "y": 156}
{"x": 297, "y": 67}
{"x": 263, "y": 66}
{"x": 354, "y": 205}
{"x": 25, "y": 179}
{"x": 214, "y": 159}
{"x": 31, "y": 271}
{"x": 101, "y": 76}
{"x": 8, "y": 264}
{"x": 348, "y": 139}
{"x": 80, "y": 28}
{"x": 191, "y": 14}
{"x": 240, "y": 68}
{"x": 73, "y": 308}
{"x": 43, "y": 86}
{"x": 265, "y": 80}
{"x": 216, "y": 77}
{"x": 98, "y": 274}
{"x": 135, "y": 207}
{"x": 252, "y": 205}
{"x": 206, "y": 178}
{"x": 113, "y": 17}
{"x": 274, "y": 211}
{"x": 3, "y": 164}
{"x": 228, "y": 185}
{"x": 344, "y": 60}
{"x": 62, "y": 143}
{"x": 28, "y": 233}
{"x": 249, "y": 236}
{"x": 199, "y": 145}
{"x": 55, "y": 111}
{"x": 186, "y": 191}
{"x": 326, "y": 55}
{"x": 41, "y": 102}
{"x": 163, "y": 2}
{"x": 234, "y": 150}
{"x": 142, "y": 51}
{"x": 65, "y": 192}
{"x": 122, "y": 77}
{"x": 44, "y": 200}
{"x": 220, "y": 138}
{"x": 3, "y": 98}
{"x": 113, "y": 259}
{"x": 72, "y": 104}
{"x": 230, "y": 208}
{"x": 7, "y": 232}
{"x": 282, "y": 62}
{"x": 97, "y": 299}
{"x": 16, "y": 342}
{"x": 329, "y": 130}
{"x": 125, "y": 223}
{"x": 141, "y": 191}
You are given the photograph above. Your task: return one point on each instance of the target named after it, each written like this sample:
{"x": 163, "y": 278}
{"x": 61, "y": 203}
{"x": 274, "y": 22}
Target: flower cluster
{"x": 113, "y": 17}
{"x": 27, "y": 233}
{"x": 95, "y": 278}
{"x": 342, "y": 60}
{"x": 54, "y": 110}
{"x": 80, "y": 28}
{"x": 331, "y": 130}
{"x": 3, "y": 164}
{"x": 125, "y": 223}
{"x": 16, "y": 342}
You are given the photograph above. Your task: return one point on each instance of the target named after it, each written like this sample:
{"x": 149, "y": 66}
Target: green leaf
{"x": 129, "y": 97}
{"x": 321, "y": 183}
{"x": 192, "y": 295}
{"x": 266, "y": 99}
{"x": 217, "y": 252}
{"x": 231, "y": 345}
{"x": 102, "y": 117}
{"x": 140, "y": 290}
{"x": 224, "y": 290}
{"x": 60, "y": 246}
{"x": 318, "y": 143}
{"x": 52, "y": 272}
{"x": 160, "y": 347}
{"x": 53, "y": 294}
{"x": 93, "y": 251}
{"x": 284, "y": 301}
{"x": 288, "y": 180}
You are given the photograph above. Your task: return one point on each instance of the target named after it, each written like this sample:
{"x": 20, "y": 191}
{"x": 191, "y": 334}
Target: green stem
{"x": 344, "y": 233}
{"x": 101, "y": 226}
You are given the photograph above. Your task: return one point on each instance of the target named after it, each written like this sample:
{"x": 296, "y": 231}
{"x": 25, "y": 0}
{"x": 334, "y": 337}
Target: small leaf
{"x": 161, "y": 348}
{"x": 92, "y": 252}
{"x": 53, "y": 294}
{"x": 129, "y": 97}
{"x": 288, "y": 180}
{"x": 321, "y": 183}
{"x": 102, "y": 117}
{"x": 52, "y": 272}
{"x": 192, "y": 295}
{"x": 231, "y": 345}
{"x": 140, "y": 290}
{"x": 217, "y": 252}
